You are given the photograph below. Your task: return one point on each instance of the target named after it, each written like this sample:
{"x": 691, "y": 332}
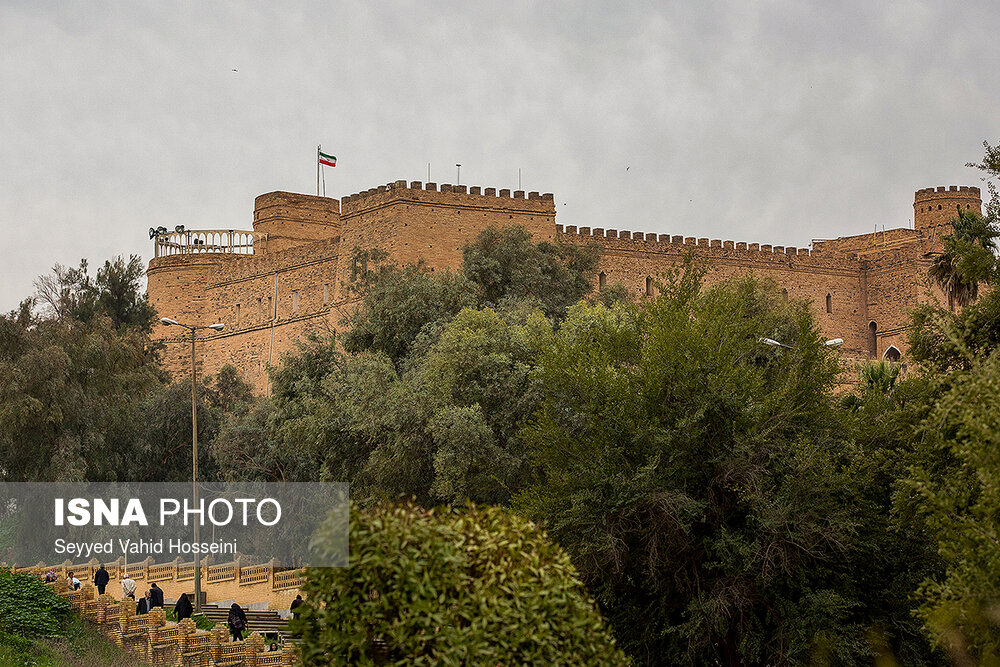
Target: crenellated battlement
{"x": 935, "y": 207}
{"x": 447, "y": 195}
{"x": 666, "y": 243}
{"x": 946, "y": 190}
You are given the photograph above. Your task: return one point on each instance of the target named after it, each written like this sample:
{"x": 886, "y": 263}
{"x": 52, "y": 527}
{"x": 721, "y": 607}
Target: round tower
{"x": 934, "y": 207}
{"x": 290, "y": 219}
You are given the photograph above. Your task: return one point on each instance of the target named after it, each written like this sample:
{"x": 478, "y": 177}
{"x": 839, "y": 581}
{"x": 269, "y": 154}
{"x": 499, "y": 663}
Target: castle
{"x": 286, "y": 277}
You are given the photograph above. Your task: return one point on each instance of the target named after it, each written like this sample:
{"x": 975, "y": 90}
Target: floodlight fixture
{"x": 179, "y": 229}
{"x": 834, "y": 342}
{"x": 166, "y": 321}
{"x": 218, "y": 326}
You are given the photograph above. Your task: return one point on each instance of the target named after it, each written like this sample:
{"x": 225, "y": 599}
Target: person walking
{"x": 156, "y": 595}
{"x": 128, "y": 587}
{"x": 101, "y": 578}
{"x": 237, "y": 621}
{"x": 183, "y": 608}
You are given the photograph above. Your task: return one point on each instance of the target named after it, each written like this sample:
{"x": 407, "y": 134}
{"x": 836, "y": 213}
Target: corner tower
{"x": 935, "y": 207}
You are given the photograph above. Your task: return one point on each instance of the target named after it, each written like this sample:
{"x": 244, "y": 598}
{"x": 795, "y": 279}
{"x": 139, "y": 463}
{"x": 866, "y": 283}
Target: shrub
{"x": 29, "y": 608}
{"x": 472, "y": 586}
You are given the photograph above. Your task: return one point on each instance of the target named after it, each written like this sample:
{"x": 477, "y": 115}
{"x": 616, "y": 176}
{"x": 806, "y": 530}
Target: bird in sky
{"x": 235, "y": 70}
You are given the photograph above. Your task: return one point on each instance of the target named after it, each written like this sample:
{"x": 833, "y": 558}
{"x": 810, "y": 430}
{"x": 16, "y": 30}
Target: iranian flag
{"x": 328, "y": 160}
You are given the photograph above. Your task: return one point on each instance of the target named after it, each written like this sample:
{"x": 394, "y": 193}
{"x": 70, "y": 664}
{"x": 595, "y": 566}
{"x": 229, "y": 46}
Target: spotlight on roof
{"x": 152, "y": 232}
{"x": 179, "y": 229}
{"x": 161, "y": 230}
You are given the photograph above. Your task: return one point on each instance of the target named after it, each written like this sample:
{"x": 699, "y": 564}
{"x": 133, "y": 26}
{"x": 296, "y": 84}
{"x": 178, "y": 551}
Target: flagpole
{"x": 319, "y": 149}
{"x": 323, "y": 171}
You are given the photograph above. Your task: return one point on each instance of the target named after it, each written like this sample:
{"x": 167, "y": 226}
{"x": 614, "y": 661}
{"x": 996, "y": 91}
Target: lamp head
{"x": 218, "y": 326}
{"x": 834, "y": 342}
{"x": 166, "y": 321}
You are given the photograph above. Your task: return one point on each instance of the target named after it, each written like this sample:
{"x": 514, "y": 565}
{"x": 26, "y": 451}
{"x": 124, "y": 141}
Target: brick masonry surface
{"x": 861, "y": 287}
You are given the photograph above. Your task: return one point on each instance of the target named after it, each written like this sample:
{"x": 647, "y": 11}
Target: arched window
{"x": 649, "y": 286}
{"x": 602, "y": 279}
{"x": 892, "y": 353}
{"x": 872, "y": 340}
{"x": 829, "y": 303}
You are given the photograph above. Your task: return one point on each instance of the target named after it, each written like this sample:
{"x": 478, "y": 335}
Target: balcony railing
{"x": 209, "y": 240}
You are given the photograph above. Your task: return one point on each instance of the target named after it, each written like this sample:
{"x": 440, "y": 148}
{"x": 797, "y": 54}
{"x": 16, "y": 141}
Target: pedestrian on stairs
{"x": 237, "y": 621}
{"x": 183, "y": 608}
{"x": 101, "y": 578}
{"x": 155, "y": 595}
{"x": 128, "y": 587}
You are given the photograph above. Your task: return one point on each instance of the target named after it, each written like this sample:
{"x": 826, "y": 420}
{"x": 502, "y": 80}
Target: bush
{"x": 473, "y": 586}
{"x": 29, "y": 608}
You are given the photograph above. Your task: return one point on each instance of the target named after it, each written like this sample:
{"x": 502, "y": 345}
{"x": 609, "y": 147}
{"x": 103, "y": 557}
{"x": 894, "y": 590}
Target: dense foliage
{"x": 472, "y": 586}
{"x": 82, "y": 396}
{"x": 29, "y": 608}
{"x": 432, "y": 386}
{"x": 690, "y": 471}
{"x": 719, "y": 500}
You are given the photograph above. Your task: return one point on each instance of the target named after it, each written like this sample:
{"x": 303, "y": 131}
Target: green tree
{"x": 691, "y": 474}
{"x": 893, "y": 549}
{"x": 505, "y": 264}
{"x": 118, "y": 293}
{"x": 162, "y": 450}
{"x": 446, "y": 427}
{"x": 471, "y": 586}
{"x": 961, "y": 490}
{"x": 968, "y": 259}
{"x": 82, "y": 396}
{"x": 71, "y": 398}
{"x": 399, "y": 303}
{"x": 71, "y": 294}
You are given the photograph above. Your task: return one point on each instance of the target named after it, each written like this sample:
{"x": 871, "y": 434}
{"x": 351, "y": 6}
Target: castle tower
{"x": 291, "y": 219}
{"x": 935, "y": 207}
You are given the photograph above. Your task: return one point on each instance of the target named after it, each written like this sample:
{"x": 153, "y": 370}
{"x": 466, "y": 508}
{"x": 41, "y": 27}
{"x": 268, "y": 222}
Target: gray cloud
{"x": 774, "y": 121}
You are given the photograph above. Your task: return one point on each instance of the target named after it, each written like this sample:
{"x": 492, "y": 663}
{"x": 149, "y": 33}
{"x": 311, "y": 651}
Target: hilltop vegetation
{"x": 715, "y": 497}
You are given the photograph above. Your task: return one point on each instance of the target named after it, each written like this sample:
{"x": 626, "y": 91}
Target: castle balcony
{"x": 197, "y": 241}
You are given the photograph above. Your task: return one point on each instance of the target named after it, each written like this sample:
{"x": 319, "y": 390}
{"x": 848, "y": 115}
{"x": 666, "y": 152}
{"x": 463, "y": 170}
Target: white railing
{"x": 209, "y": 240}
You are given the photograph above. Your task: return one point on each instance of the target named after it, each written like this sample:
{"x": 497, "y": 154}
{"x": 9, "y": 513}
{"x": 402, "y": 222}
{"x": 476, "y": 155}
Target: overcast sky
{"x": 777, "y": 121}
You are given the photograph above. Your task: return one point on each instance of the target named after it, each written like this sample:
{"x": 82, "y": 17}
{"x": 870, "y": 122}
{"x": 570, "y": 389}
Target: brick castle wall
{"x": 295, "y": 281}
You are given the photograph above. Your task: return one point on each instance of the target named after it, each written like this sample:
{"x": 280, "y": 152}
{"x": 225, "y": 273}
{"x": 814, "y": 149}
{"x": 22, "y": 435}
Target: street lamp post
{"x": 166, "y": 321}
